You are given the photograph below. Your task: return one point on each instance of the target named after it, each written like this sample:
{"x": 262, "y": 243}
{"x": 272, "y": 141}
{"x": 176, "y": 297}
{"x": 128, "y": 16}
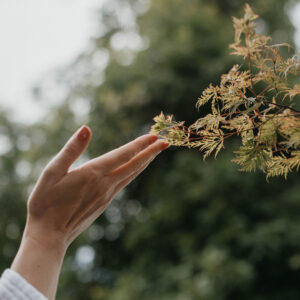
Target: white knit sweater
{"x": 14, "y": 287}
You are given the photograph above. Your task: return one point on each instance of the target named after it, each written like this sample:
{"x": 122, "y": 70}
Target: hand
{"x": 63, "y": 203}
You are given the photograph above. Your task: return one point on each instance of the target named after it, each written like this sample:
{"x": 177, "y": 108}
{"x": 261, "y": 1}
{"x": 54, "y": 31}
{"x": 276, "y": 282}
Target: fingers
{"x": 119, "y": 178}
{"x": 122, "y": 155}
{"x": 138, "y": 161}
{"x": 71, "y": 151}
{"x": 127, "y": 180}
{"x": 95, "y": 209}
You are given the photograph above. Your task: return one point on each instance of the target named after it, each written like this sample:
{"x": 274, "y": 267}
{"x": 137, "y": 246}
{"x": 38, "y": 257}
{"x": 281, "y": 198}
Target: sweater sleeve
{"x": 14, "y": 287}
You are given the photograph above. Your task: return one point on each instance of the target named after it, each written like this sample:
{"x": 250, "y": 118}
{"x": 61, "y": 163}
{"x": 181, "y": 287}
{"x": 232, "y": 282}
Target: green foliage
{"x": 256, "y": 104}
{"x": 238, "y": 240}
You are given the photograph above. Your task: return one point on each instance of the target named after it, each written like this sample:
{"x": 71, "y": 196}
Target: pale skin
{"x": 64, "y": 203}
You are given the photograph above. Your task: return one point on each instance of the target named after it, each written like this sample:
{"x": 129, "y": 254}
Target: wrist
{"x": 39, "y": 260}
{"x": 44, "y": 239}
{"x": 50, "y": 247}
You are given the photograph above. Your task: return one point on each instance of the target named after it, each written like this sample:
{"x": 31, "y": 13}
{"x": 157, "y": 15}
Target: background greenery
{"x": 184, "y": 229}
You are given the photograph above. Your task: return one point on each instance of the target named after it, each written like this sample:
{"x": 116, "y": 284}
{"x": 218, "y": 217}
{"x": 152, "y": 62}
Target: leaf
{"x": 251, "y": 157}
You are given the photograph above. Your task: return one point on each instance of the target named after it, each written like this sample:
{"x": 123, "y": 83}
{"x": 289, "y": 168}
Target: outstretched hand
{"x": 64, "y": 203}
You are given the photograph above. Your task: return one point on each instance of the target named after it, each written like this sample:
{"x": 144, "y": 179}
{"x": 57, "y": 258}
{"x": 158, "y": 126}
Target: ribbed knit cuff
{"x": 14, "y": 287}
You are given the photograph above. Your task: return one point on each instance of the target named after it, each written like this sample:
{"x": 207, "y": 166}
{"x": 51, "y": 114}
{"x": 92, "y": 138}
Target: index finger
{"x": 123, "y": 154}
{"x": 140, "y": 161}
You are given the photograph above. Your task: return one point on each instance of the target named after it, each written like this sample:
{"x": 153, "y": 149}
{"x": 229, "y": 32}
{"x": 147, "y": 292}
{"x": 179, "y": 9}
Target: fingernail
{"x": 153, "y": 138}
{"x": 165, "y": 146}
{"x": 83, "y": 133}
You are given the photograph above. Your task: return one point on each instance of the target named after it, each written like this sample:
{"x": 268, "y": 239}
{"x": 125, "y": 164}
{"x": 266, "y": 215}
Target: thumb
{"x": 71, "y": 151}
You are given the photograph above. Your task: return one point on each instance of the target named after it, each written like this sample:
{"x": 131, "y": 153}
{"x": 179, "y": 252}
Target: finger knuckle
{"x": 90, "y": 176}
{"x": 49, "y": 173}
{"x": 83, "y": 178}
{"x": 86, "y": 177}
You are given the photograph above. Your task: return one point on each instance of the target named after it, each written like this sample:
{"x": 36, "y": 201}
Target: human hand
{"x": 64, "y": 203}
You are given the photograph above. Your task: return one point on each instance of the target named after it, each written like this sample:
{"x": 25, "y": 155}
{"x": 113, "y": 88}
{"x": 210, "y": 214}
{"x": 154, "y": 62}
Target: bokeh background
{"x": 185, "y": 229}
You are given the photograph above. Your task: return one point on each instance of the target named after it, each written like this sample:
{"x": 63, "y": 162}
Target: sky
{"x": 39, "y": 36}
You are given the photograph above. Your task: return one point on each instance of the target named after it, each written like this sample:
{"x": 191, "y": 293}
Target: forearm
{"x": 39, "y": 263}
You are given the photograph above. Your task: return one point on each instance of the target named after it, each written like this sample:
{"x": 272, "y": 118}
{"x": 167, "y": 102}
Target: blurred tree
{"x": 14, "y": 170}
{"x": 183, "y": 229}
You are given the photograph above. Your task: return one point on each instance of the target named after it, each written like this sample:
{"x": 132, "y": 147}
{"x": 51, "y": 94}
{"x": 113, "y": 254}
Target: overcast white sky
{"x": 37, "y": 36}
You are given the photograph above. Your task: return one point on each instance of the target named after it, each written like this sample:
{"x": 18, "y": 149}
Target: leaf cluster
{"x": 255, "y": 101}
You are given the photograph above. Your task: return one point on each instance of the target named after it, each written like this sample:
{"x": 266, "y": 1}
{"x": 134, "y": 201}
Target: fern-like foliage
{"x": 256, "y": 103}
